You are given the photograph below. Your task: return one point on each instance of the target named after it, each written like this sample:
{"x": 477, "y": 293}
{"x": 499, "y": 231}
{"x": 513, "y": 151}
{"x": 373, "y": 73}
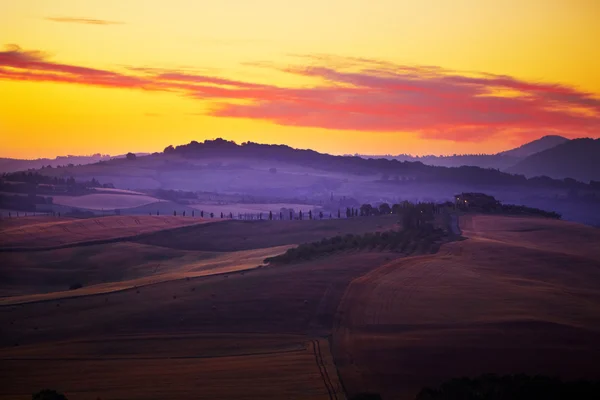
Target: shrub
{"x": 48, "y": 394}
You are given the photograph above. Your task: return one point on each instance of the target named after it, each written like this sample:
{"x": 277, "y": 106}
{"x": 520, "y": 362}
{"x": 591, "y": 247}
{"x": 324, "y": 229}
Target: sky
{"x": 338, "y": 76}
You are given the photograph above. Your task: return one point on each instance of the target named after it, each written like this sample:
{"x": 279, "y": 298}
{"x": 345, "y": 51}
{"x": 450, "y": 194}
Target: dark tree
{"x": 221, "y": 215}
{"x": 384, "y": 208}
{"x": 281, "y": 215}
{"x": 320, "y": 214}
{"x": 339, "y": 214}
{"x": 348, "y": 213}
{"x": 300, "y": 215}
{"x": 230, "y": 215}
{"x": 183, "y": 213}
{"x": 309, "y": 214}
{"x": 131, "y": 156}
{"x": 270, "y": 216}
{"x": 47, "y": 394}
{"x": 291, "y": 215}
{"x": 193, "y": 212}
{"x": 201, "y": 214}
{"x": 366, "y": 210}
{"x": 366, "y": 396}
{"x": 212, "y": 215}
{"x": 174, "y": 213}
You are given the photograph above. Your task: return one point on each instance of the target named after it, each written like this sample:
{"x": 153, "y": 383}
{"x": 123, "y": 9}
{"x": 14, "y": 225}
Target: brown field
{"x": 234, "y": 235}
{"x": 116, "y": 267}
{"x": 51, "y": 232}
{"x": 240, "y": 311}
{"x": 515, "y": 297}
{"x": 178, "y": 367}
{"x": 207, "y": 324}
{"x": 105, "y": 201}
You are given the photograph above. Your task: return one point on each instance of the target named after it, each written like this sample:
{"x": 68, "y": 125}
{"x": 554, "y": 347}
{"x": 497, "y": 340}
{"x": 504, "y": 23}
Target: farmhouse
{"x": 479, "y": 201}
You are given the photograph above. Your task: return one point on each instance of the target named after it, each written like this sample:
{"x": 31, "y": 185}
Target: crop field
{"x": 192, "y": 311}
{"x": 177, "y": 367}
{"x": 218, "y": 334}
{"x": 60, "y": 232}
{"x": 491, "y": 303}
{"x": 234, "y": 235}
{"x": 103, "y": 269}
{"x": 105, "y": 201}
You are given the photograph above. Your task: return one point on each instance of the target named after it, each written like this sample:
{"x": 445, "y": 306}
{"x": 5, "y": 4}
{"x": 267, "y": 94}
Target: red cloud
{"x": 356, "y": 94}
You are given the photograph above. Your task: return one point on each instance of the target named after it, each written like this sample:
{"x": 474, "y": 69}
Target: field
{"x": 190, "y": 312}
{"x": 513, "y": 298}
{"x": 105, "y": 201}
{"x": 48, "y": 232}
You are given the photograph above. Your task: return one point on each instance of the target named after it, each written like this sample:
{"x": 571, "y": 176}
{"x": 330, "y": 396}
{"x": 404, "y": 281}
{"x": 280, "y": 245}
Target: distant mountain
{"x": 501, "y": 161}
{"x": 541, "y": 144}
{"x": 578, "y": 159}
{"x": 15, "y": 164}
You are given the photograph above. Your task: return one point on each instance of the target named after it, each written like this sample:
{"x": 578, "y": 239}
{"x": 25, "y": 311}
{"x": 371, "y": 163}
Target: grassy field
{"x": 56, "y": 232}
{"x": 514, "y": 297}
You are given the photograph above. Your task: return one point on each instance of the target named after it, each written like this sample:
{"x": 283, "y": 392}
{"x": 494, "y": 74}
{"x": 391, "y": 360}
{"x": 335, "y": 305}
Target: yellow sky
{"x": 552, "y": 41}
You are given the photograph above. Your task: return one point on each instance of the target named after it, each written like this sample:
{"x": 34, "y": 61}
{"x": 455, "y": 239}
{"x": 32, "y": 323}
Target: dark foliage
{"x": 48, "y": 394}
{"x": 512, "y": 387}
{"x": 424, "y": 239}
{"x": 366, "y": 396}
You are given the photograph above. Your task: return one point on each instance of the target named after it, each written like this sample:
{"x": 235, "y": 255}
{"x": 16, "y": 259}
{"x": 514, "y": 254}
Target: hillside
{"x": 502, "y": 160}
{"x": 536, "y": 146}
{"x": 578, "y": 159}
{"x": 518, "y": 295}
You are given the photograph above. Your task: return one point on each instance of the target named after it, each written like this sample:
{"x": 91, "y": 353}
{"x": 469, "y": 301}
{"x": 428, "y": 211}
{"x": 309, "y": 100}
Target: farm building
{"x": 479, "y": 201}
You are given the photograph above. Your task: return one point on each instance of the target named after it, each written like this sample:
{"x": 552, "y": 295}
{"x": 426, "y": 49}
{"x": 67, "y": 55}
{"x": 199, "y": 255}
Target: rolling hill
{"x": 502, "y": 160}
{"x": 578, "y": 159}
{"x": 536, "y": 146}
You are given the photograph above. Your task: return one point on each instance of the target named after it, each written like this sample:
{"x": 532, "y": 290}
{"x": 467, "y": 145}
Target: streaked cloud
{"x": 354, "y": 94}
{"x": 87, "y": 21}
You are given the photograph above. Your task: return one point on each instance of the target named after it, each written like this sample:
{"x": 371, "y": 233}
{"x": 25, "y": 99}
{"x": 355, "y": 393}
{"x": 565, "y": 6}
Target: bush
{"x": 424, "y": 239}
{"x": 48, "y": 394}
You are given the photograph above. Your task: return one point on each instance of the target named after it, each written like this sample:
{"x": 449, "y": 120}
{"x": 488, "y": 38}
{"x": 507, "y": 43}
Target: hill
{"x": 536, "y": 146}
{"x": 520, "y": 295}
{"x": 502, "y": 160}
{"x": 576, "y": 159}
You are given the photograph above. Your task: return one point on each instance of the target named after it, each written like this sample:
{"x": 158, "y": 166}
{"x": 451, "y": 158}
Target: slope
{"x": 512, "y": 298}
{"x": 577, "y": 159}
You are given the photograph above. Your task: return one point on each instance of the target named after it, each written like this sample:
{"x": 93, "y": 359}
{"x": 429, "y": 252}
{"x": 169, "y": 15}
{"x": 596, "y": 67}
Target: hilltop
{"x": 578, "y": 159}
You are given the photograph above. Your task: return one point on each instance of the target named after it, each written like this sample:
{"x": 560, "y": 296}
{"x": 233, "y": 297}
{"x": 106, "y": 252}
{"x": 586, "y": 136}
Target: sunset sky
{"x": 338, "y": 76}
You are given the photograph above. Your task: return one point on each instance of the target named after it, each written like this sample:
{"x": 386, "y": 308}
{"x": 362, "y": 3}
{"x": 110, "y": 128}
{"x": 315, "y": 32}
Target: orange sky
{"x": 340, "y": 76}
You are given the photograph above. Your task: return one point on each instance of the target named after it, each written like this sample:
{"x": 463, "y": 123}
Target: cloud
{"x": 87, "y": 21}
{"x": 354, "y": 94}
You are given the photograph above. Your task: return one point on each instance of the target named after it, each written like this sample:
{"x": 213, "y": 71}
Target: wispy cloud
{"x": 354, "y": 94}
{"x": 88, "y": 21}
